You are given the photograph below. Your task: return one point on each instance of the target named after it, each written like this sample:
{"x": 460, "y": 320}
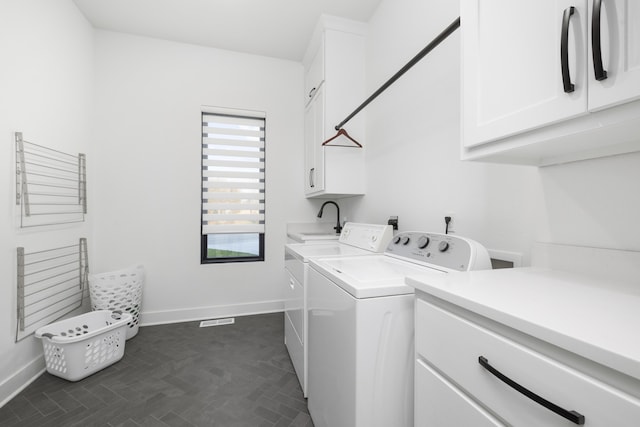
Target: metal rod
{"x": 49, "y": 269}
{"x": 51, "y": 286}
{"x": 56, "y": 213}
{"x": 52, "y": 194}
{"x": 54, "y": 204}
{"x": 435, "y": 42}
{"x": 32, "y": 303}
{"x": 52, "y": 223}
{"x": 51, "y": 250}
{"x": 42, "y": 156}
{"x": 51, "y": 167}
{"x": 57, "y": 311}
{"x": 39, "y": 184}
{"x": 51, "y": 259}
{"x": 53, "y": 176}
{"x": 46, "y": 148}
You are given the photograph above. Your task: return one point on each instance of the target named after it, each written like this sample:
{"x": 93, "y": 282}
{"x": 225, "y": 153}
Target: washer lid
{"x": 371, "y": 276}
{"x": 303, "y": 251}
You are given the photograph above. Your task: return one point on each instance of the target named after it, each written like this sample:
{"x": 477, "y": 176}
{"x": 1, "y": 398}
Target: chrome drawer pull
{"x": 572, "y": 416}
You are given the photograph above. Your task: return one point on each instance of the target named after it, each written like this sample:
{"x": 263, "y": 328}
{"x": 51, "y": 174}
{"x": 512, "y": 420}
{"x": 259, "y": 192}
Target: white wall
{"x": 413, "y": 136}
{"x": 45, "y": 86}
{"x": 413, "y": 162}
{"x": 147, "y": 191}
{"x": 592, "y": 203}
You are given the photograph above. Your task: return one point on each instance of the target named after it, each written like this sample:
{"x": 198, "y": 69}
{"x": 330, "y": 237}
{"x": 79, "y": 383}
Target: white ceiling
{"x": 275, "y": 28}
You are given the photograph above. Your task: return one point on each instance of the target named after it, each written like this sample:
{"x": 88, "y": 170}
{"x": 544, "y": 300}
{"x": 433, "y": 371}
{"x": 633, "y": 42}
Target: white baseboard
{"x": 13, "y": 385}
{"x": 148, "y": 318}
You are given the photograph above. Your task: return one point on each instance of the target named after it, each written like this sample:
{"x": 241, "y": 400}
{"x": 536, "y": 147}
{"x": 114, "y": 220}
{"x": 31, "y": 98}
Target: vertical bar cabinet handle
{"x": 596, "y": 41}
{"x": 572, "y": 416}
{"x": 564, "y": 50}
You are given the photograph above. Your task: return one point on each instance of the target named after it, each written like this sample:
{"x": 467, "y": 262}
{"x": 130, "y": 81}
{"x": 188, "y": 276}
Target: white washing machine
{"x": 356, "y": 239}
{"x": 361, "y": 327}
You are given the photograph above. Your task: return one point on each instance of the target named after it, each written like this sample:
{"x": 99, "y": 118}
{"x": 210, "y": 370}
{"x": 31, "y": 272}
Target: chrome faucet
{"x": 338, "y": 228}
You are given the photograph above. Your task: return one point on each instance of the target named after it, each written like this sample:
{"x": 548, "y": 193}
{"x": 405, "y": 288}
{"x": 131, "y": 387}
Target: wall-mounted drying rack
{"x": 435, "y": 42}
{"x": 51, "y": 283}
{"x": 51, "y": 186}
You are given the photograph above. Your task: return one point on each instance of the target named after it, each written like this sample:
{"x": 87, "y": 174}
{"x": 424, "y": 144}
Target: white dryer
{"x": 361, "y": 328}
{"x": 356, "y": 239}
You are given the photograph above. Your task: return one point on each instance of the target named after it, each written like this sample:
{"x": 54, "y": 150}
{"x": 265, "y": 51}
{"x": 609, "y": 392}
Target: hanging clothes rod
{"x": 435, "y": 42}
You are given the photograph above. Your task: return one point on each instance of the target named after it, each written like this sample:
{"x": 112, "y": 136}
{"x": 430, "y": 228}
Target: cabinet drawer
{"x": 294, "y": 266}
{"x": 295, "y": 349}
{"x": 453, "y": 408}
{"x": 453, "y": 345}
{"x": 294, "y": 305}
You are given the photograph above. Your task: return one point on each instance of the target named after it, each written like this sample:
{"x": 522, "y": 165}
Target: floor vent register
{"x": 217, "y": 322}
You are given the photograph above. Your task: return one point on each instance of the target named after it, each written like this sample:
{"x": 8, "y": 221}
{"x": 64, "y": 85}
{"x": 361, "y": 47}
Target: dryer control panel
{"x": 439, "y": 250}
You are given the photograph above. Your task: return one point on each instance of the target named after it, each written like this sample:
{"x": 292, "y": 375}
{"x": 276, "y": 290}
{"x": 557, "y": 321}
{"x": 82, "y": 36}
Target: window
{"x": 233, "y": 149}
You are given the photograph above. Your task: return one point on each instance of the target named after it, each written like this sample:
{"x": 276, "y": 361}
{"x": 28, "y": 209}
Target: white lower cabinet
{"x": 452, "y": 382}
{"x": 453, "y": 408}
{"x": 294, "y": 325}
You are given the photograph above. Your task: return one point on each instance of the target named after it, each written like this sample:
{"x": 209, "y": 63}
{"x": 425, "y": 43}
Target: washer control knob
{"x": 443, "y": 246}
{"x": 423, "y": 242}
{"x": 406, "y": 240}
{"x": 396, "y": 240}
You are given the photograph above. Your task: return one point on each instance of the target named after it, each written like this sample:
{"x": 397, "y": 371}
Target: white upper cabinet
{"x": 512, "y": 68}
{"x": 334, "y": 87}
{"x": 314, "y": 75}
{"x": 531, "y": 89}
{"x": 615, "y": 44}
{"x": 314, "y": 137}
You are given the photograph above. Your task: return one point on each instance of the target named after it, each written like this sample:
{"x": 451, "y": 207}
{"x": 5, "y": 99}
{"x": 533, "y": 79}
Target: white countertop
{"x": 596, "y": 319}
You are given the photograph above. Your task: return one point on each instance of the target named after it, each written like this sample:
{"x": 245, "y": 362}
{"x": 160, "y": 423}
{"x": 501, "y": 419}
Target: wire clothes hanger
{"x": 435, "y": 42}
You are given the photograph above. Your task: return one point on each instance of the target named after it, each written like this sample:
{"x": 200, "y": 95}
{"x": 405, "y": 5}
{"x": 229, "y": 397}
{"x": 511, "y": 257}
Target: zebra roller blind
{"x": 233, "y": 172}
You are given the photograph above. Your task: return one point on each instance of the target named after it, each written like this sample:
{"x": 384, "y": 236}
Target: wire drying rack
{"x": 51, "y": 186}
{"x": 51, "y": 283}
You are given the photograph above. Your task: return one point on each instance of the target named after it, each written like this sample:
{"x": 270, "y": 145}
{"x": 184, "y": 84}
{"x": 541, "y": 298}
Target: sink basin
{"x": 312, "y": 236}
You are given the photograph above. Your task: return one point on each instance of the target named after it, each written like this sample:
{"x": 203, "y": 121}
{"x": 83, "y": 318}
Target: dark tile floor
{"x": 177, "y": 375}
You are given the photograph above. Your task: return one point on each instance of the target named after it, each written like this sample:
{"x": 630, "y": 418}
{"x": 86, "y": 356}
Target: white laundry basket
{"x": 77, "y": 347}
{"x": 119, "y": 290}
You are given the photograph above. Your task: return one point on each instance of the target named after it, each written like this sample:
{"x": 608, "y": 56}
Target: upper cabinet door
{"x": 512, "y": 69}
{"x": 314, "y": 75}
{"x": 614, "y": 40}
